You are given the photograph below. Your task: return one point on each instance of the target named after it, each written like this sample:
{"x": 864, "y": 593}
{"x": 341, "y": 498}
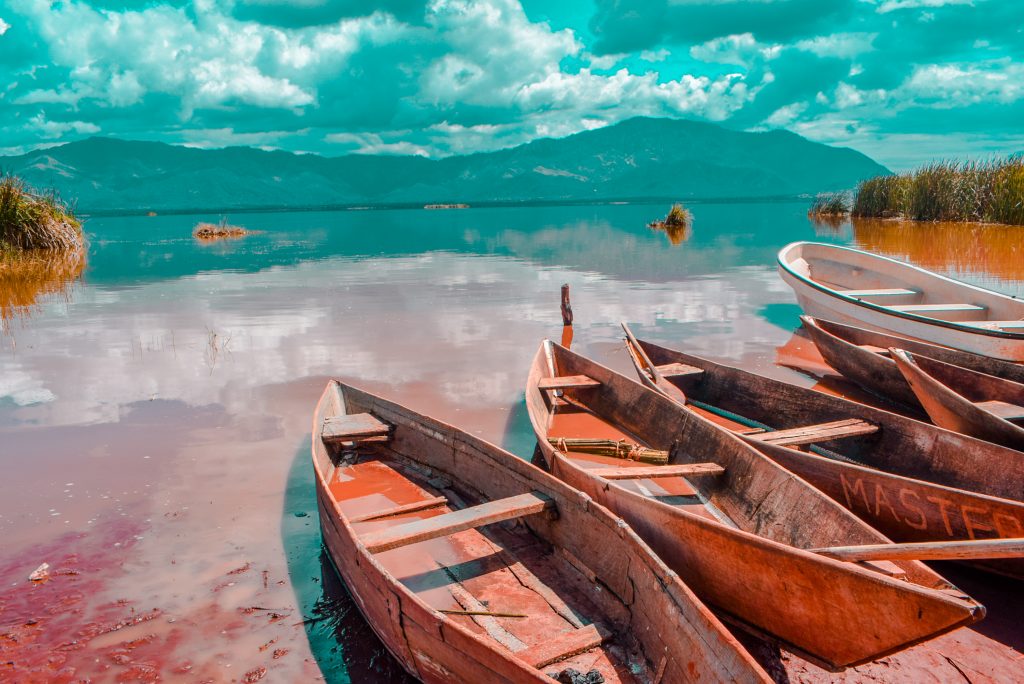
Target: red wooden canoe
{"x": 956, "y": 398}
{"x": 912, "y": 481}
{"x": 560, "y": 584}
{"x": 863, "y": 356}
{"x": 735, "y": 525}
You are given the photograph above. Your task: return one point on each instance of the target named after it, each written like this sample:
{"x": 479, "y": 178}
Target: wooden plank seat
{"x": 1003, "y": 409}
{"x": 678, "y": 370}
{"x": 353, "y": 428}
{"x": 415, "y": 506}
{"x": 455, "y": 521}
{"x": 882, "y": 292}
{"x": 565, "y": 645}
{"x": 935, "y": 308}
{"x": 564, "y": 382}
{"x": 822, "y": 432}
{"x": 654, "y": 472}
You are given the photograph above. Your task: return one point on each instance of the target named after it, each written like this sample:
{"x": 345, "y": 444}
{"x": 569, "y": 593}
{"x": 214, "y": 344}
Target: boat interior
{"x": 691, "y": 470}
{"x": 1000, "y": 397}
{"x": 904, "y": 289}
{"x": 504, "y": 582}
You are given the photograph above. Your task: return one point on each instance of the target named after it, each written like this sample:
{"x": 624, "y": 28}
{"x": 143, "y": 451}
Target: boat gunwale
{"x": 953, "y": 325}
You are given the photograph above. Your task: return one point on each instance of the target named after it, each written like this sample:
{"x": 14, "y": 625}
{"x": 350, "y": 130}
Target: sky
{"x": 904, "y": 81}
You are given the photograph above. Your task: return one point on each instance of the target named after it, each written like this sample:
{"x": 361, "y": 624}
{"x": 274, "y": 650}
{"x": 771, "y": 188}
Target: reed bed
{"x": 987, "y": 192}
{"x": 830, "y": 204}
{"x": 33, "y": 221}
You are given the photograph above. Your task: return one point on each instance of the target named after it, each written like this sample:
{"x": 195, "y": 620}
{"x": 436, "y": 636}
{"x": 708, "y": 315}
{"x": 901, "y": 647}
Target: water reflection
{"x": 223, "y": 352}
{"x": 27, "y": 277}
{"x": 963, "y": 249}
{"x": 676, "y": 234}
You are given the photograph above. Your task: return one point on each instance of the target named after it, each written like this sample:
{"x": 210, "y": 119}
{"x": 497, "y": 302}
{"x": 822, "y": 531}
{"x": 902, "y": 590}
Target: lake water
{"x": 155, "y": 414}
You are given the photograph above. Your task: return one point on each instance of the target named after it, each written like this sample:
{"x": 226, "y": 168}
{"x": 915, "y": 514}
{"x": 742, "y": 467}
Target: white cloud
{"x": 740, "y": 49}
{"x": 892, "y": 5}
{"x": 3, "y": 26}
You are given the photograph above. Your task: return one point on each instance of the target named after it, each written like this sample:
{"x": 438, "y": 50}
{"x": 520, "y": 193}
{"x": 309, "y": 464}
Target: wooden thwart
{"x": 353, "y": 428}
{"x": 642, "y": 473}
{"x": 568, "y": 382}
{"x": 822, "y": 432}
{"x": 678, "y": 370}
{"x": 1003, "y": 409}
{"x": 935, "y": 308}
{"x": 455, "y": 521}
{"x": 975, "y": 549}
{"x": 883, "y": 292}
{"x": 565, "y": 645}
{"x": 413, "y": 507}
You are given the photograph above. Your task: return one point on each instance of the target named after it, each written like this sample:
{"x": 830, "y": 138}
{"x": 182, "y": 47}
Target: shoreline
{"x": 392, "y": 206}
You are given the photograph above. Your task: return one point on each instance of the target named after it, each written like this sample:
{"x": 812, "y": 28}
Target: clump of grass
{"x": 32, "y": 221}
{"x": 828, "y": 204}
{"x": 218, "y": 231}
{"x": 991, "y": 192}
{"x": 676, "y": 224}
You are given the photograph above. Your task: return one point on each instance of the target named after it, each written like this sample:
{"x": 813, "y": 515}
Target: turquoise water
{"x": 173, "y": 385}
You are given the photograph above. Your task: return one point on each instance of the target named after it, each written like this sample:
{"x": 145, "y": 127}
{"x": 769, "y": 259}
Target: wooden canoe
{"x": 863, "y": 356}
{"x": 403, "y": 501}
{"x": 912, "y": 481}
{"x": 966, "y": 401}
{"x": 735, "y": 525}
{"x": 859, "y": 288}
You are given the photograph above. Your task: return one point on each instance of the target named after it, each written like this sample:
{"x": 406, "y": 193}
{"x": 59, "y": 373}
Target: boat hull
{"x": 822, "y": 301}
{"x": 655, "y": 620}
{"x": 952, "y": 410}
{"x": 976, "y": 490}
{"x": 817, "y": 607}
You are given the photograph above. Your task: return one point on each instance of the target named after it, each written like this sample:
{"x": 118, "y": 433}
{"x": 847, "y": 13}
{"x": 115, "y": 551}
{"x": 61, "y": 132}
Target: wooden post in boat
{"x": 566, "y": 306}
{"x": 566, "y": 318}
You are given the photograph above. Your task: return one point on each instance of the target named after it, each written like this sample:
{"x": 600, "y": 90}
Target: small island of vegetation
{"x": 42, "y": 247}
{"x": 968, "y": 191}
{"x": 218, "y": 231}
{"x": 31, "y": 220}
{"x": 676, "y": 224}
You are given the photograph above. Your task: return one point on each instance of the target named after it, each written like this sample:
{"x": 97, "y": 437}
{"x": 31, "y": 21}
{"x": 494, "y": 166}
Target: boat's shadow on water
{"x": 345, "y": 647}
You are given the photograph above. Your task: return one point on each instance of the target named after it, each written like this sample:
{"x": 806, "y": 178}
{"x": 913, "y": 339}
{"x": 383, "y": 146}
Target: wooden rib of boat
{"x": 966, "y": 401}
{"x": 910, "y": 480}
{"x": 738, "y": 534}
{"x": 858, "y": 288}
{"x": 552, "y": 582}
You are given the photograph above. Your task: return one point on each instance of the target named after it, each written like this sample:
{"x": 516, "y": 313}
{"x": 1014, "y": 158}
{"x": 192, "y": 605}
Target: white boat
{"x": 859, "y": 288}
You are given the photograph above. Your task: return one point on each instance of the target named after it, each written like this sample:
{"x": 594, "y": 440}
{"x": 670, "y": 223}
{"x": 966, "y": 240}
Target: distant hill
{"x": 636, "y": 159}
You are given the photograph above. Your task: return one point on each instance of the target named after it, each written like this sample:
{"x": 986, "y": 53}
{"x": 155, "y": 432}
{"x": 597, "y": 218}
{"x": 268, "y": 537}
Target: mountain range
{"x": 640, "y": 158}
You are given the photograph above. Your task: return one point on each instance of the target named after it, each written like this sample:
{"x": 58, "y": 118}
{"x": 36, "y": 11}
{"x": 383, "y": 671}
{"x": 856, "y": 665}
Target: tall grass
{"x": 991, "y": 192}
{"x": 830, "y": 204}
{"x": 30, "y": 221}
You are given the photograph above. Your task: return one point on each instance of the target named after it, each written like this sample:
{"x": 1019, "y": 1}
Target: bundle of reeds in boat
{"x": 612, "y": 448}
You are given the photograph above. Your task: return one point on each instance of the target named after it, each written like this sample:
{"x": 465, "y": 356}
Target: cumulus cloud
{"x": 437, "y": 77}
